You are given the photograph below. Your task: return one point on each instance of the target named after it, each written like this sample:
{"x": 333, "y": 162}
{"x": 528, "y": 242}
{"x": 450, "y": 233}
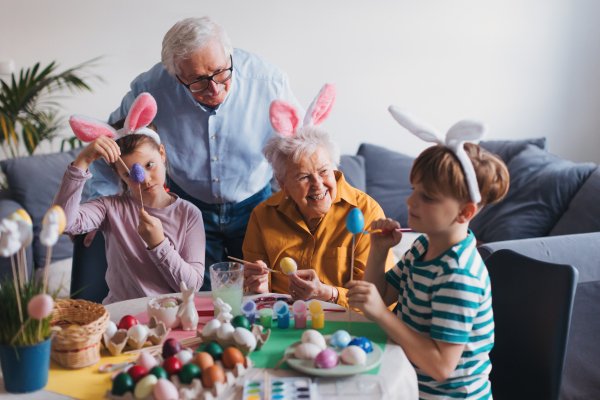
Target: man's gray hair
{"x": 280, "y": 150}
{"x": 187, "y": 37}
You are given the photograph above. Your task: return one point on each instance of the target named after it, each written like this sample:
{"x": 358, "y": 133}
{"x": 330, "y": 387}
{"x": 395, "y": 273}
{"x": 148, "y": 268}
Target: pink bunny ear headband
{"x": 285, "y": 117}
{"x": 458, "y": 134}
{"x": 141, "y": 113}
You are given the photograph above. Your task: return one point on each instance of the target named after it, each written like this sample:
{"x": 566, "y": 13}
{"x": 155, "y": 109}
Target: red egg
{"x": 127, "y": 322}
{"x": 172, "y": 365}
{"x": 170, "y": 348}
{"x": 136, "y": 373}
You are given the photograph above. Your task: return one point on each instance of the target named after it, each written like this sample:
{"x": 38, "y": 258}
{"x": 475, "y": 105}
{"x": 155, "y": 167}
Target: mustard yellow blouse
{"x": 276, "y": 230}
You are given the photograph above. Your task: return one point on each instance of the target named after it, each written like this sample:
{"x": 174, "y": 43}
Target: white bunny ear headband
{"x": 142, "y": 112}
{"x": 458, "y": 134}
{"x": 285, "y": 117}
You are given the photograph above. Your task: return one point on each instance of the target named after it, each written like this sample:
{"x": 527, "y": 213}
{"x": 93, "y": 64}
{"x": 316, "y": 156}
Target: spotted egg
{"x": 363, "y": 343}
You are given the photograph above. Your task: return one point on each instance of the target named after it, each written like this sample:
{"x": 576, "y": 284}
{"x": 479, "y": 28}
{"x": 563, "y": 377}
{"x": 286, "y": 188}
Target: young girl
{"x": 444, "y": 319}
{"x": 149, "y": 250}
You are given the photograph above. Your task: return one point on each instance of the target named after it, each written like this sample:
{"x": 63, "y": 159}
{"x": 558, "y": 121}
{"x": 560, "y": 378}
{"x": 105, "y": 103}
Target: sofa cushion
{"x": 34, "y": 182}
{"x": 507, "y": 149}
{"x": 541, "y": 188}
{"x": 388, "y": 182}
{"x": 353, "y": 168}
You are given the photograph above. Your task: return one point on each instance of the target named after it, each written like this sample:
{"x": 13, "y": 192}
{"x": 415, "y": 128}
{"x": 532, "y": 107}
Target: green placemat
{"x": 281, "y": 339}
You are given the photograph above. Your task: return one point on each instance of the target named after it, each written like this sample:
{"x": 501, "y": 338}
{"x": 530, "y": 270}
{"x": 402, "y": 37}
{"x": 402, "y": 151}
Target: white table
{"x": 399, "y": 375}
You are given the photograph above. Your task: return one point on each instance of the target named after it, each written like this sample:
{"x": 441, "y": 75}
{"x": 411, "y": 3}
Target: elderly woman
{"x": 306, "y": 219}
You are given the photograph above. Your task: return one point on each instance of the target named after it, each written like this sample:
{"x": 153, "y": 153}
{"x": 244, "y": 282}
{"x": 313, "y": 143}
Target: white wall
{"x": 527, "y": 68}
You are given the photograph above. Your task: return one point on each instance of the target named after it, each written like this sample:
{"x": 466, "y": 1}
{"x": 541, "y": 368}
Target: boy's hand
{"x": 150, "y": 229}
{"x": 364, "y": 296}
{"x": 256, "y": 277}
{"x": 384, "y": 241}
{"x": 102, "y": 147}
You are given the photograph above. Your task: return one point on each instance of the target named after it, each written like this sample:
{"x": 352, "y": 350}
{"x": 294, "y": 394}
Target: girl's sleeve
{"x": 187, "y": 264}
{"x": 80, "y": 218}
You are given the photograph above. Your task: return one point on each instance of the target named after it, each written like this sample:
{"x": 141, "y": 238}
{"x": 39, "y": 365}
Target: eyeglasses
{"x": 202, "y": 84}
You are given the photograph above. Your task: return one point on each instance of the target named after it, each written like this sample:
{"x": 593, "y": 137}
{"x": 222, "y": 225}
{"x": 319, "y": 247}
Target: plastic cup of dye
{"x": 226, "y": 281}
{"x": 266, "y": 317}
{"x": 283, "y": 314}
{"x": 249, "y": 310}
{"x": 317, "y": 315}
{"x": 299, "y": 310}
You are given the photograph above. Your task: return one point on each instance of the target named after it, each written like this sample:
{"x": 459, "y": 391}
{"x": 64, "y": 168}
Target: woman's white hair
{"x": 280, "y": 150}
{"x": 187, "y": 37}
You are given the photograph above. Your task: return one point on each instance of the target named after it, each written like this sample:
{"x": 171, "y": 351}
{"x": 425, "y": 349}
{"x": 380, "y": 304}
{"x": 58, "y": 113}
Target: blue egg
{"x": 355, "y": 221}
{"x": 137, "y": 173}
{"x": 340, "y": 339}
{"x": 363, "y": 343}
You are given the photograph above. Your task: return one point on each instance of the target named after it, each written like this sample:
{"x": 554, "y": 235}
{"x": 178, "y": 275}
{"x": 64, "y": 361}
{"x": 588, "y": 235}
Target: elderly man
{"x": 213, "y": 119}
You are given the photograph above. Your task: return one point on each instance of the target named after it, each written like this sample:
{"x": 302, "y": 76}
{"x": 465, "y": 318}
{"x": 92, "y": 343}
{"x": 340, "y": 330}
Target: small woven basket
{"x": 78, "y": 347}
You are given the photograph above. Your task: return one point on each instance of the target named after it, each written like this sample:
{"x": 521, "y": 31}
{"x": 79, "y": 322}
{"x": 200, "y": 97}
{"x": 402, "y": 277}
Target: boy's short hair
{"x": 441, "y": 173}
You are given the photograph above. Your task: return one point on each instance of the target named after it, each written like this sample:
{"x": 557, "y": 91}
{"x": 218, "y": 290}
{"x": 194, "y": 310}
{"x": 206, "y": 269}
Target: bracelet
{"x": 334, "y": 297}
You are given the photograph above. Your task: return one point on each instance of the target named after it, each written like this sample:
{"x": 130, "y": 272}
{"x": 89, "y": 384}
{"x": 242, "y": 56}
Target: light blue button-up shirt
{"x": 214, "y": 155}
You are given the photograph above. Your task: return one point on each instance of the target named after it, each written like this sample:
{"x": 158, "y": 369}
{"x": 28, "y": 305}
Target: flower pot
{"x": 25, "y": 368}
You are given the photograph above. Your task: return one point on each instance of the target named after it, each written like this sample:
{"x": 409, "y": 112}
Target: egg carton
{"x": 157, "y": 333}
{"x": 195, "y": 390}
{"x": 257, "y": 331}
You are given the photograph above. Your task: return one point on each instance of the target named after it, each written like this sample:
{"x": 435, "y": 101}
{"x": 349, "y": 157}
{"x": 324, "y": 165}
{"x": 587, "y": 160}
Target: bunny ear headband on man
{"x": 141, "y": 113}
{"x": 458, "y": 134}
{"x": 285, "y": 116}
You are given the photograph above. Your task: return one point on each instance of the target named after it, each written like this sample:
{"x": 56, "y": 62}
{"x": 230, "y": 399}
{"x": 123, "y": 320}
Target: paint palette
{"x": 298, "y": 388}
{"x": 362, "y": 387}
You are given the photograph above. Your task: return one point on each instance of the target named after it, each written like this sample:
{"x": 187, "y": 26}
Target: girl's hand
{"x": 150, "y": 229}
{"x": 364, "y": 296}
{"x": 305, "y": 285}
{"x": 256, "y": 277}
{"x": 385, "y": 241}
{"x": 102, "y": 147}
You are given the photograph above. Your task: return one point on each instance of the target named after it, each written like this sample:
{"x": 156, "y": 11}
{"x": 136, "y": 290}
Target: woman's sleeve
{"x": 186, "y": 265}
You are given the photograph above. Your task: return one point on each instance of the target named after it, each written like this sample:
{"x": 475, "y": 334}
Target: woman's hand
{"x": 256, "y": 277}
{"x": 364, "y": 296}
{"x": 150, "y": 229}
{"x": 384, "y": 241}
{"x": 305, "y": 285}
{"x": 102, "y": 147}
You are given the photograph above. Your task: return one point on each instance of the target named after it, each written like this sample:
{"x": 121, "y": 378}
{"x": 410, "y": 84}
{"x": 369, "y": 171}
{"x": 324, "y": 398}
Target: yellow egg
{"x": 288, "y": 265}
{"x": 21, "y": 215}
{"x": 62, "y": 218}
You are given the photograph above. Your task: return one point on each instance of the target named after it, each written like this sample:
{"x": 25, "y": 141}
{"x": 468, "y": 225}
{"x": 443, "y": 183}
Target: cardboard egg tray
{"x": 257, "y": 331}
{"x": 157, "y": 333}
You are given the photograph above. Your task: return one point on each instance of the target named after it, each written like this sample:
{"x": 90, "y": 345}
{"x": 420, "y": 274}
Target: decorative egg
{"x": 212, "y": 375}
{"x": 307, "y": 351}
{"x": 159, "y": 372}
{"x": 211, "y": 328}
{"x": 40, "y": 306}
{"x": 314, "y": 337}
{"x": 188, "y": 373}
{"x": 165, "y": 390}
{"x": 137, "y": 173}
{"x": 214, "y": 350}
{"x": 288, "y": 265}
{"x": 340, "y": 339}
{"x": 111, "y": 330}
{"x": 355, "y": 222}
{"x": 203, "y": 360}
{"x": 363, "y": 343}
{"x": 172, "y": 365}
{"x": 138, "y": 332}
{"x": 137, "y": 373}
{"x": 167, "y": 300}
{"x": 232, "y": 356}
{"x": 122, "y": 384}
{"x": 240, "y": 322}
{"x": 170, "y": 348}
{"x": 144, "y": 387}
{"x": 225, "y": 332}
{"x": 127, "y": 322}
{"x": 354, "y": 355}
{"x": 146, "y": 361}
{"x": 326, "y": 359}
{"x": 169, "y": 304}
{"x": 185, "y": 356}
{"x": 244, "y": 337}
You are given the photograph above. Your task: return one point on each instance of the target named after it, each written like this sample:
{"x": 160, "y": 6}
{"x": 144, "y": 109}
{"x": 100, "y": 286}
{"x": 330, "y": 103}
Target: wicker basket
{"x": 78, "y": 347}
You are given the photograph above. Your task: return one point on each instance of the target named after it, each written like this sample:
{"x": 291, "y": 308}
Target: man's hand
{"x": 150, "y": 229}
{"x": 256, "y": 277}
{"x": 305, "y": 285}
{"x": 364, "y": 296}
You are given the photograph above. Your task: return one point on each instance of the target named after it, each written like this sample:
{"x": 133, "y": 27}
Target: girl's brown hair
{"x": 440, "y": 172}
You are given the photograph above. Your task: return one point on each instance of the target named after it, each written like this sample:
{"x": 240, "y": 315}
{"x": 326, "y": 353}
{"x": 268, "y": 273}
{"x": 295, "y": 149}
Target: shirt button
{"x": 216, "y": 179}
{"x": 213, "y": 137}
{"x": 215, "y": 159}
{"x": 305, "y": 262}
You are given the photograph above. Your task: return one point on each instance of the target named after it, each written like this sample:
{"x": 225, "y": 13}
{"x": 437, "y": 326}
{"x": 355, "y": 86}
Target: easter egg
{"x": 225, "y": 332}
{"x": 137, "y": 173}
{"x": 288, "y": 265}
{"x": 214, "y": 350}
{"x": 185, "y": 356}
{"x": 21, "y": 215}
{"x": 170, "y": 348}
{"x": 232, "y": 356}
{"x": 244, "y": 338}
{"x": 307, "y": 351}
{"x": 159, "y": 372}
{"x": 146, "y": 361}
{"x": 111, "y": 329}
{"x": 138, "y": 332}
{"x": 137, "y": 373}
{"x": 145, "y": 386}
{"x": 363, "y": 343}
{"x": 340, "y": 339}
{"x": 188, "y": 373}
{"x": 122, "y": 384}
{"x": 127, "y": 322}
{"x": 314, "y": 337}
{"x": 354, "y": 355}
{"x": 212, "y": 375}
{"x": 203, "y": 360}
{"x": 240, "y": 322}
{"x": 165, "y": 390}
{"x": 355, "y": 222}
{"x": 211, "y": 328}
{"x": 172, "y": 365}
{"x": 169, "y": 304}
{"x": 40, "y": 306}
{"x": 326, "y": 359}
{"x": 60, "y": 215}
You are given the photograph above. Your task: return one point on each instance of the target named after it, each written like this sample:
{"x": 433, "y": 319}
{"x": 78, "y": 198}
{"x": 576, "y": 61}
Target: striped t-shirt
{"x": 449, "y": 299}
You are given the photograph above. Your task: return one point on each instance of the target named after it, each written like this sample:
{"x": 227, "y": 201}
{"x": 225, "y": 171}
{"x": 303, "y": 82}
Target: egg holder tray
{"x": 195, "y": 390}
{"x": 157, "y": 333}
{"x": 257, "y": 331}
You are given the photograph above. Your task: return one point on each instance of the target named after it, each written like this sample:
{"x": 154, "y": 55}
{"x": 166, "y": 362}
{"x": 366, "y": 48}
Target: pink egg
{"x": 147, "y": 361}
{"x": 326, "y": 359}
{"x": 40, "y": 306}
{"x": 165, "y": 390}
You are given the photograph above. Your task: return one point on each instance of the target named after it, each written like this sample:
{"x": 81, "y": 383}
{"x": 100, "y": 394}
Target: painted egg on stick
{"x": 137, "y": 173}
{"x": 40, "y": 306}
{"x": 355, "y": 222}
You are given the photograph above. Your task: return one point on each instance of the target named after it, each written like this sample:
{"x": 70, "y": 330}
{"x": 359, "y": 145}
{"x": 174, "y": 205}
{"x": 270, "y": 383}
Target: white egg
{"x": 111, "y": 330}
{"x": 354, "y": 355}
{"x": 225, "y": 332}
{"x": 210, "y": 329}
{"x": 138, "y": 332}
{"x": 185, "y": 356}
{"x": 244, "y": 337}
{"x": 307, "y": 351}
{"x": 314, "y": 337}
